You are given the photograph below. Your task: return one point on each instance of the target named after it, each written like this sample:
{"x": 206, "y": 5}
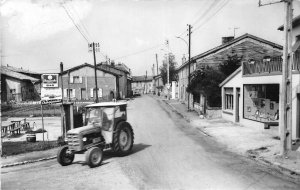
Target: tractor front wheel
{"x": 123, "y": 139}
{"x": 64, "y": 157}
{"x": 94, "y": 157}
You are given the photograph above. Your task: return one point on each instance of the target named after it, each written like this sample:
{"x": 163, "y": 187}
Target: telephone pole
{"x": 157, "y": 69}
{"x": 285, "y": 124}
{"x": 95, "y": 47}
{"x": 286, "y": 91}
{"x": 189, "y": 64}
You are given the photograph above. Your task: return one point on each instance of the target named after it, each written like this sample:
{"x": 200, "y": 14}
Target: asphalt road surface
{"x": 168, "y": 154}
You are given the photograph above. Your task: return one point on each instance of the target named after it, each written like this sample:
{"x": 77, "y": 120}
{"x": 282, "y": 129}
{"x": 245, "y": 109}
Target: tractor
{"x": 105, "y": 128}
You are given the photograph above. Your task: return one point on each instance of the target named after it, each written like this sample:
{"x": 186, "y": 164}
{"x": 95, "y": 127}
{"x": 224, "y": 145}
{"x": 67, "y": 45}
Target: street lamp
{"x": 182, "y": 40}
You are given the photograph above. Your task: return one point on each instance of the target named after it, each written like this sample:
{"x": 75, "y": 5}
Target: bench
{"x": 25, "y": 125}
{"x": 268, "y": 124}
{"x": 17, "y": 130}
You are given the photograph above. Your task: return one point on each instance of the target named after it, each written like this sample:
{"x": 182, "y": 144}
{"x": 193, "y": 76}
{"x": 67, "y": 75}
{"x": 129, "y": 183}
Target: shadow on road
{"x": 109, "y": 154}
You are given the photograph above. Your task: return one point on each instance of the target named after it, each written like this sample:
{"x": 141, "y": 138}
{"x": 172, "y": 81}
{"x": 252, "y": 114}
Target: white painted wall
{"x": 239, "y": 81}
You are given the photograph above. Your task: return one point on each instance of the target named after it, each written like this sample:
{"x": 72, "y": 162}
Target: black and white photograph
{"x": 150, "y": 94}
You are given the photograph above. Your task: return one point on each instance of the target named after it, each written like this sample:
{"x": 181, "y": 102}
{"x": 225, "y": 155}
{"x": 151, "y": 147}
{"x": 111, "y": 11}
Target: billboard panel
{"x": 50, "y": 80}
{"x": 51, "y": 95}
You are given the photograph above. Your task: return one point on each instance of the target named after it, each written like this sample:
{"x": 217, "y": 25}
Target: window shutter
{"x": 92, "y": 92}
{"x": 71, "y": 79}
{"x": 73, "y": 93}
{"x": 65, "y": 93}
{"x": 80, "y": 79}
{"x": 100, "y": 93}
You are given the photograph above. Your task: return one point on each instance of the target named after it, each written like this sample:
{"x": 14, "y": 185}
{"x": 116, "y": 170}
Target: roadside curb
{"x": 186, "y": 118}
{"x": 293, "y": 175}
{"x": 27, "y": 162}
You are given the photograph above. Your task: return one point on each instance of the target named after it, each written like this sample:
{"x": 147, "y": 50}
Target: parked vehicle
{"x": 106, "y": 127}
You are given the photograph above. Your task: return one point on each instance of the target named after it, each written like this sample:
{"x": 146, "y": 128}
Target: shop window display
{"x": 261, "y": 102}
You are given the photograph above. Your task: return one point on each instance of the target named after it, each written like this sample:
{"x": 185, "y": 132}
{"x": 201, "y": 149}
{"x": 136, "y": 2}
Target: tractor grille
{"x": 73, "y": 141}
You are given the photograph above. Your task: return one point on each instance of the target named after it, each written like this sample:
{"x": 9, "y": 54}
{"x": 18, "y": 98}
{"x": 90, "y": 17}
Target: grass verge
{"x": 14, "y": 148}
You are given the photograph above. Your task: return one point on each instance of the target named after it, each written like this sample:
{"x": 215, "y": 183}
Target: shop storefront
{"x": 261, "y": 102}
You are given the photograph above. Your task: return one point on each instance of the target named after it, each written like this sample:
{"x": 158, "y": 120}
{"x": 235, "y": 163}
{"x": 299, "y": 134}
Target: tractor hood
{"x": 85, "y": 130}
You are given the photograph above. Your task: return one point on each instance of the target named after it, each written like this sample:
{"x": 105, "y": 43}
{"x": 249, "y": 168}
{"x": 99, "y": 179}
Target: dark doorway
{"x": 237, "y": 105}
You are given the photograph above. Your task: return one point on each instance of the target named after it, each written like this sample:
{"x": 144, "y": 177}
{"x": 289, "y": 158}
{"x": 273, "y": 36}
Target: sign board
{"x": 50, "y": 80}
{"x": 51, "y": 95}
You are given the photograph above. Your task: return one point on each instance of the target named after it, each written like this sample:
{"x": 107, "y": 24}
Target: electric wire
{"x": 80, "y": 21}
{"x": 218, "y": 10}
{"x": 138, "y": 52}
{"x": 214, "y": 3}
{"x": 75, "y": 24}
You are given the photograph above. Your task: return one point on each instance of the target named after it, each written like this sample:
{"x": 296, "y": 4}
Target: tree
{"x": 172, "y": 69}
{"x": 232, "y": 63}
{"x": 206, "y": 81}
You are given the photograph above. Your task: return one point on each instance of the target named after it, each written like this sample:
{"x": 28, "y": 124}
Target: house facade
{"x": 123, "y": 74}
{"x": 246, "y": 46}
{"x": 142, "y": 84}
{"x": 157, "y": 84}
{"x": 17, "y": 85}
{"x": 79, "y": 83}
{"x": 251, "y": 95}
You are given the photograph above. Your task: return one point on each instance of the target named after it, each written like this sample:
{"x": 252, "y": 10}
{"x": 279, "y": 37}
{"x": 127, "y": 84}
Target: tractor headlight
{"x": 84, "y": 139}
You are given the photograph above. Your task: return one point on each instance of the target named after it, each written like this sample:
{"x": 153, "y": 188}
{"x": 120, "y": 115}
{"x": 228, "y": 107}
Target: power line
{"x": 202, "y": 16}
{"x": 75, "y": 24}
{"x": 215, "y": 2}
{"x": 82, "y": 24}
{"x": 138, "y": 52}
{"x": 218, "y": 10}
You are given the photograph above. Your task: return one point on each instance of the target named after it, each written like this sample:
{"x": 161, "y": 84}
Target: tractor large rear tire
{"x": 94, "y": 156}
{"x": 63, "y": 157}
{"x": 123, "y": 139}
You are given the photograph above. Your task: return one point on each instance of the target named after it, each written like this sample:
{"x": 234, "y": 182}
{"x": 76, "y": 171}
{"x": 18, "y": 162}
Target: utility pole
{"x": 68, "y": 91}
{"x": 189, "y": 64}
{"x": 285, "y": 123}
{"x": 61, "y": 81}
{"x": 286, "y": 91}
{"x": 157, "y": 70}
{"x": 95, "y": 47}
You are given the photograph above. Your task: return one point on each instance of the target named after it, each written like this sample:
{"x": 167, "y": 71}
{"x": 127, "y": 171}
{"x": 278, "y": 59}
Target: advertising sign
{"x": 50, "y": 80}
{"x": 51, "y": 95}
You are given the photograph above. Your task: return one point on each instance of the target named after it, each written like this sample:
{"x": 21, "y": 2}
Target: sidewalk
{"x": 253, "y": 142}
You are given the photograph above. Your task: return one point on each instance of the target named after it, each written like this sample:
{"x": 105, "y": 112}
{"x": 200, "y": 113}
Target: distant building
{"x": 80, "y": 84}
{"x": 17, "y": 84}
{"x": 142, "y": 84}
{"x": 158, "y": 85}
{"x": 123, "y": 74}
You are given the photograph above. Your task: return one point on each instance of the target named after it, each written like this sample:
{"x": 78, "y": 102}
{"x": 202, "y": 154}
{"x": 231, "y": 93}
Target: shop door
{"x": 237, "y": 105}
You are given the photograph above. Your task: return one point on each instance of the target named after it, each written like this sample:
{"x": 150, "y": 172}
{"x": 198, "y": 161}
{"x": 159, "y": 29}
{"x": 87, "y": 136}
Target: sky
{"x": 39, "y": 34}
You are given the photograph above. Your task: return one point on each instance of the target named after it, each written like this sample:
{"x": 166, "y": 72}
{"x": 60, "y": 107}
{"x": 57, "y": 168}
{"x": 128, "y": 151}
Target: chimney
{"x": 112, "y": 63}
{"x": 183, "y": 59}
{"x": 227, "y": 39}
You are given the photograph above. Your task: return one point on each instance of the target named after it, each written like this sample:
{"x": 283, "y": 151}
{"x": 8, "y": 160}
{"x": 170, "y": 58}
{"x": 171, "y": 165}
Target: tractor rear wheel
{"x": 94, "y": 157}
{"x": 64, "y": 157}
{"x": 123, "y": 139}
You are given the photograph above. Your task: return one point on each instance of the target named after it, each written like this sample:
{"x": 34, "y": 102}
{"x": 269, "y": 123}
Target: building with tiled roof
{"x": 18, "y": 85}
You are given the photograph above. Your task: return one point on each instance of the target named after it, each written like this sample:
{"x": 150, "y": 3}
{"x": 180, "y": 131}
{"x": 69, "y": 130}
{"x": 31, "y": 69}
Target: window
{"x": 75, "y": 79}
{"x": 13, "y": 91}
{"x": 228, "y": 98}
{"x": 69, "y": 91}
{"x": 261, "y": 102}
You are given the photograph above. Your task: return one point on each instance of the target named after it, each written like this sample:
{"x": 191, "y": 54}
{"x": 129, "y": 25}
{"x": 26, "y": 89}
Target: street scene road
{"x": 168, "y": 153}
